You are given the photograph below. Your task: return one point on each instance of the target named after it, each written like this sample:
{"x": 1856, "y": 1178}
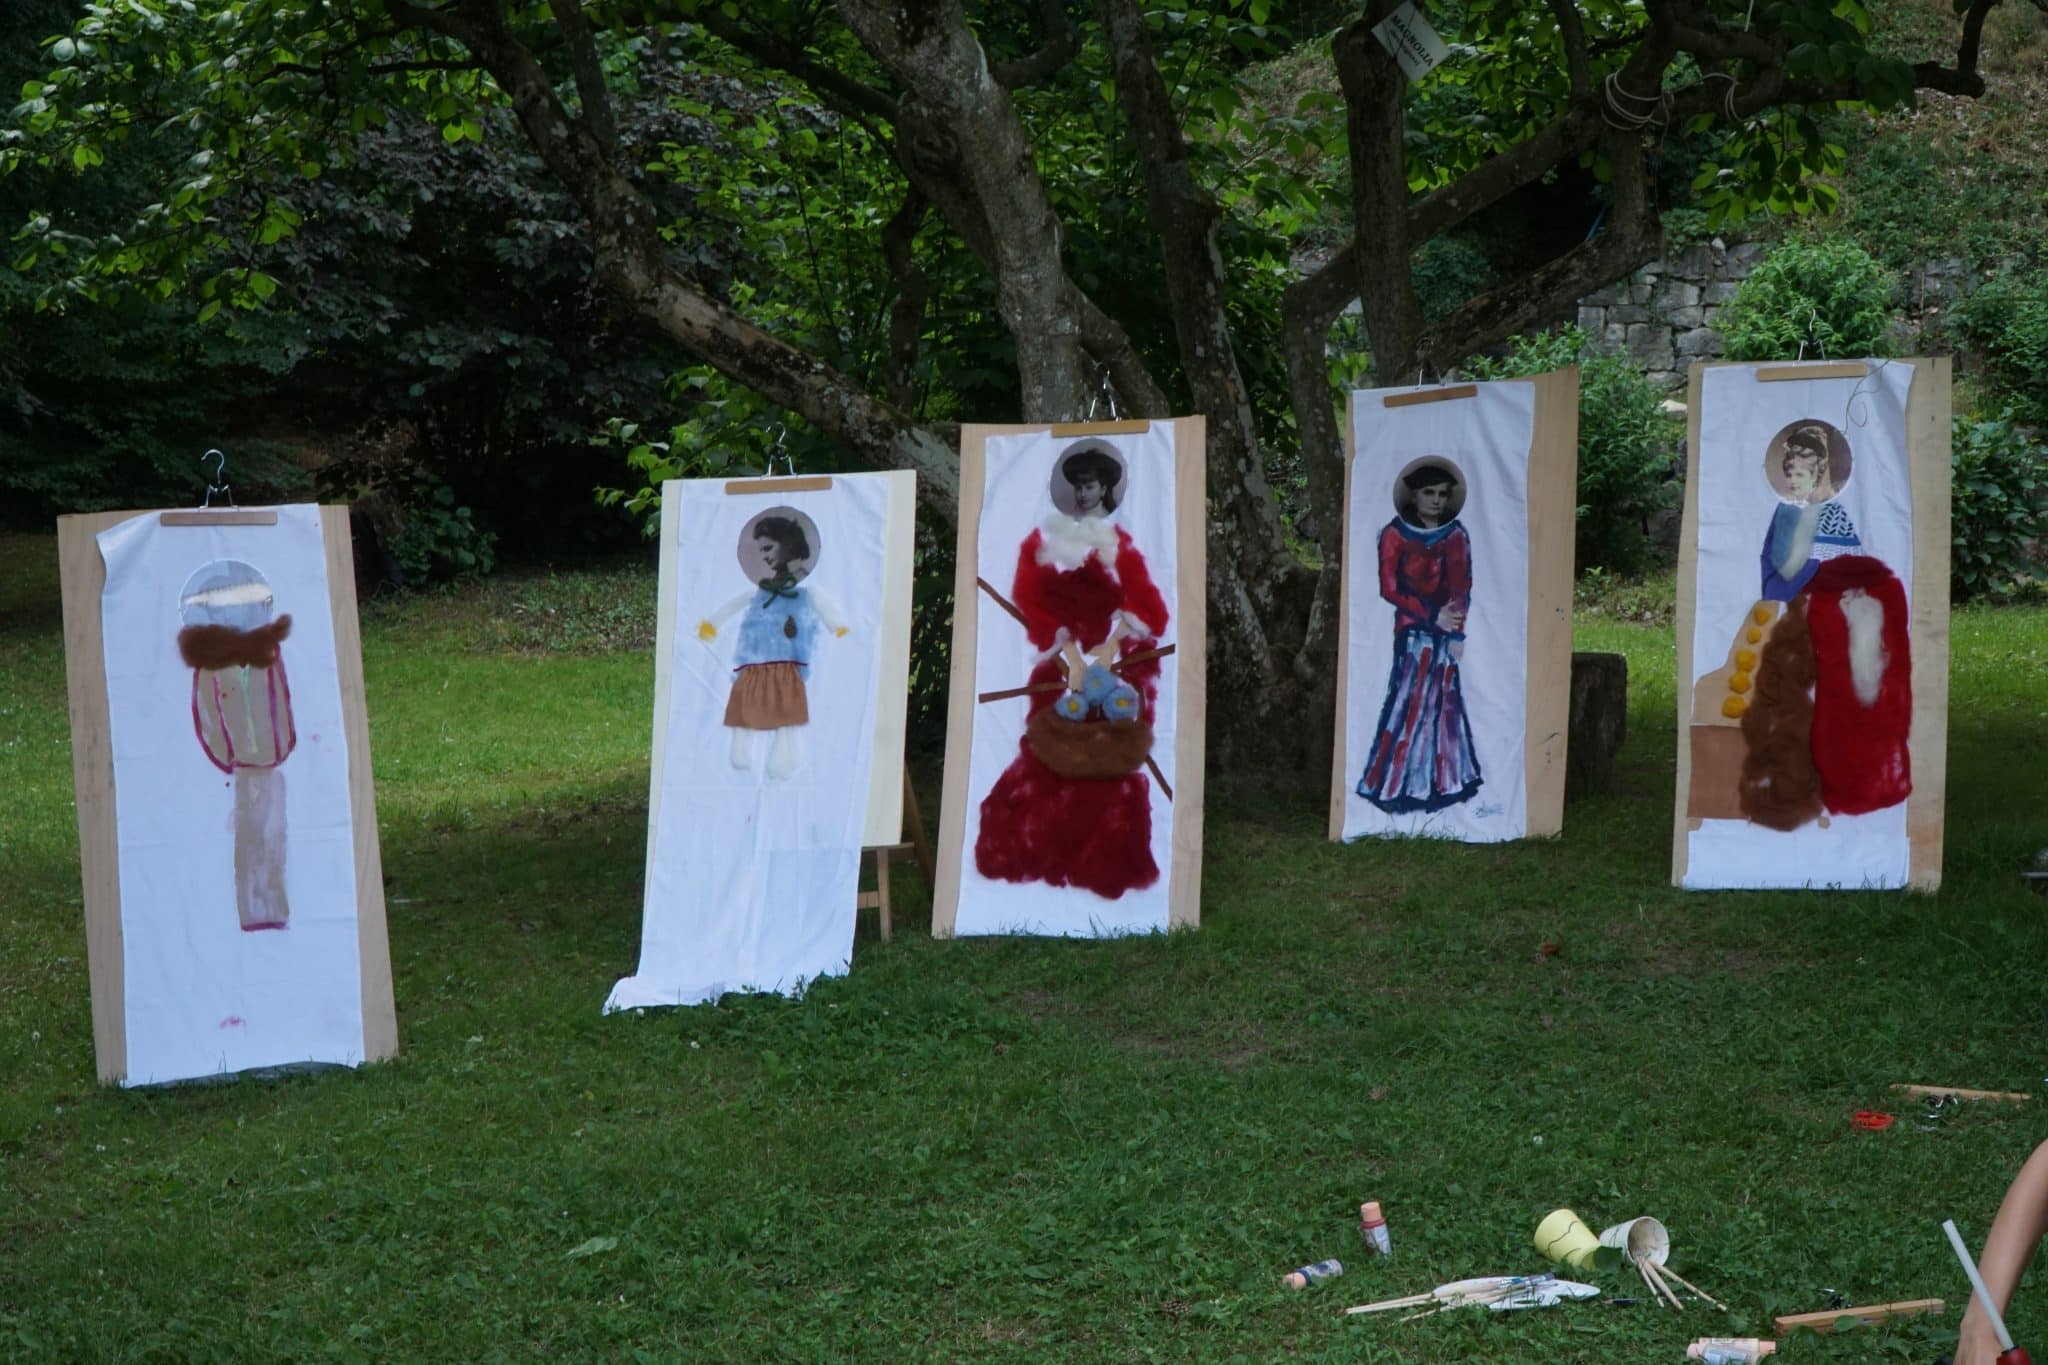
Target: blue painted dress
{"x": 773, "y": 659}
{"x": 1834, "y": 534}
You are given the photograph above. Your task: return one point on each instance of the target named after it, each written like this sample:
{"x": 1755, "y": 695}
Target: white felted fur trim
{"x": 1134, "y": 629}
{"x": 1066, "y": 542}
{"x": 1865, "y": 615}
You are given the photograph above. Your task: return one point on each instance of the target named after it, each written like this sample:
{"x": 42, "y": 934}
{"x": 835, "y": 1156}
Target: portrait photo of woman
{"x": 1422, "y": 756}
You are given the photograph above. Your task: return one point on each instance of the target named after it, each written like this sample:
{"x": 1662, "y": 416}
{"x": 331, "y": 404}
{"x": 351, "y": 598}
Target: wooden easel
{"x": 920, "y": 846}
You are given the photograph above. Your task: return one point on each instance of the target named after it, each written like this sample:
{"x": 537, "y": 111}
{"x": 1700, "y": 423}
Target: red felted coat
{"x": 1075, "y": 580}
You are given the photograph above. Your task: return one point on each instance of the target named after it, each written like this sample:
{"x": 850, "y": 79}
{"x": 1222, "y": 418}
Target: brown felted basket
{"x": 1088, "y": 749}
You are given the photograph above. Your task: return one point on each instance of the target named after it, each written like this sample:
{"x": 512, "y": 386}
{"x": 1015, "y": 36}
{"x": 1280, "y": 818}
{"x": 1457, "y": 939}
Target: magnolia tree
{"x": 261, "y": 96}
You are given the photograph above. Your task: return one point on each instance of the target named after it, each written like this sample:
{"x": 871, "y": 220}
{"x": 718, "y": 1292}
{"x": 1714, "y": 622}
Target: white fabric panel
{"x": 1015, "y": 502}
{"x": 752, "y": 880}
{"x": 1738, "y": 418}
{"x": 202, "y": 996}
{"x": 1487, "y": 438}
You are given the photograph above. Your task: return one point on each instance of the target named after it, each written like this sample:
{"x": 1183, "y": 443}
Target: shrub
{"x": 1823, "y": 297}
{"x": 2007, "y": 320}
{"x": 2001, "y": 508}
{"x": 441, "y": 540}
{"x": 1627, "y": 445}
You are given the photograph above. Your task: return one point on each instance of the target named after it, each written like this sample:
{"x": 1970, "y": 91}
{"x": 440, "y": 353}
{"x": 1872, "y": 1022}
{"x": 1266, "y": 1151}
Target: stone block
{"x": 1591, "y": 319}
{"x": 1650, "y": 346}
{"x": 1676, "y": 294}
{"x": 1628, "y": 312}
{"x": 1600, "y": 298}
{"x": 1686, "y": 318}
{"x": 1640, "y": 291}
{"x": 1696, "y": 260}
{"x": 1614, "y": 338}
{"x": 1749, "y": 253}
{"x": 1698, "y": 343}
{"x": 1718, "y": 292}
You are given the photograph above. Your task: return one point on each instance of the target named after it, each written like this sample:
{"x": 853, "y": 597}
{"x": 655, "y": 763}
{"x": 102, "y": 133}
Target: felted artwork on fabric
{"x": 1074, "y": 806}
{"x": 779, "y": 633}
{"x": 1436, "y": 622}
{"x": 1076, "y": 630}
{"x": 214, "y": 843}
{"x": 242, "y": 715}
{"x": 764, "y": 733}
{"x": 1800, "y": 728}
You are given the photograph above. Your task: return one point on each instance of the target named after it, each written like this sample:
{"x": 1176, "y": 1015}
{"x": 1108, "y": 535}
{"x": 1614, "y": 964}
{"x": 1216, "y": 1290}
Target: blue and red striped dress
{"x": 1422, "y": 754}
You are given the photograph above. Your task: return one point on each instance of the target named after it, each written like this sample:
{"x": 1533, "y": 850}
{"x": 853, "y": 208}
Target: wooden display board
{"x": 83, "y": 579}
{"x": 1925, "y": 493}
{"x": 1549, "y": 492}
{"x": 1184, "y": 669}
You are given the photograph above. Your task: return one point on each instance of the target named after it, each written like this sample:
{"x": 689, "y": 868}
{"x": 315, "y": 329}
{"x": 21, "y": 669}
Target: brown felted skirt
{"x": 767, "y": 697}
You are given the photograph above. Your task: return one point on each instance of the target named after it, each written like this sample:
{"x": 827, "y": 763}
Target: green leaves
{"x": 1810, "y": 297}
{"x": 2001, "y": 507}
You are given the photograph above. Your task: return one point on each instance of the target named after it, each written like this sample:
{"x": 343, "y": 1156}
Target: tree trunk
{"x": 972, "y": 129}
{"x": 1599, "y": 723}
{"x": 1259, "y": 590}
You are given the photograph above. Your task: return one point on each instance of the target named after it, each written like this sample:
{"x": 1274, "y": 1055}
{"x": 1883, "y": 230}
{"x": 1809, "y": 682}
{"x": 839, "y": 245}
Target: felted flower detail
{"x": 1072, "y": 706}
{"x": 1121, "y": 703}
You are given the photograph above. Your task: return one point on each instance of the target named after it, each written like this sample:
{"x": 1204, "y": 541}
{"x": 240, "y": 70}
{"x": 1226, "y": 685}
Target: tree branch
{"x": 588, "y": 70}
{"x": 1573, "y": 34}
{"x": 975, "y": 135}
{"x": 1061, "y": 43}
{"x": 1374, "y": 94}
{"x": 631, "y": 262}
{"x": 836, "y": 88}
{"x": 906, "y": 314}
{"x": 1308, "y": 308}
{"x": 1187, "y": 217}
{"x": 1634, "y": 237}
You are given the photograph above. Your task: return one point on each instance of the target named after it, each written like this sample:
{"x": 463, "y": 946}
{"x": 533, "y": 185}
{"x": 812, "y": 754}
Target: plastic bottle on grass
{"x": 1313, "y": 1274}
{"x": 1372, "y": 1226}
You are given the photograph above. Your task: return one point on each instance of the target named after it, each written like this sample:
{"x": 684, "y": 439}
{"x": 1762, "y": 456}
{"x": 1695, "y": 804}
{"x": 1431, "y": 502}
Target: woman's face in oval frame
{"x": 762, "y": 557}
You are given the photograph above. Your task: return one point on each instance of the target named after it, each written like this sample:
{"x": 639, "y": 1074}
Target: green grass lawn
{"x": 1021, "y": 1149}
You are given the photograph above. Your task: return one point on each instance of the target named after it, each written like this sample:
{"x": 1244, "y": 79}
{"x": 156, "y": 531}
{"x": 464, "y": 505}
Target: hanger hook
{"x": 220, "y": 459}
{"x": 781, "y": 447}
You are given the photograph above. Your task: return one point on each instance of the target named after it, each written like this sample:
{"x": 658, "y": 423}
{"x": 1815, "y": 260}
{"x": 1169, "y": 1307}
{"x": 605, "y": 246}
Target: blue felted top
{"x": 766, "y": 636}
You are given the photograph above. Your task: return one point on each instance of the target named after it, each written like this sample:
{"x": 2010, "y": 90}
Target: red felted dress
{"x": 1077, "y": 578}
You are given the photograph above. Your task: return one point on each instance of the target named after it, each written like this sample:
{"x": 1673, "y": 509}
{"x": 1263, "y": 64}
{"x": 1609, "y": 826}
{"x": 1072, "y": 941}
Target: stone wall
{"x": 1666, "y": 314}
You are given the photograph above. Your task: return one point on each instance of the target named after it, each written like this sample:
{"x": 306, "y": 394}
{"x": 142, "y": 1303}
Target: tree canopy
{"x": 884, "y": 218}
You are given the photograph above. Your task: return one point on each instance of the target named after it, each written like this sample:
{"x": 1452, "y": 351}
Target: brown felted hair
{"x": 1088, "y": 749}
{"x": 226, "y": 647}
{"x": 1780, "y": 788}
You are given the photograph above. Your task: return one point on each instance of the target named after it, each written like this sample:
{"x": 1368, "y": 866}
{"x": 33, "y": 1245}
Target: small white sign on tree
{"x": 1413, "y": 43}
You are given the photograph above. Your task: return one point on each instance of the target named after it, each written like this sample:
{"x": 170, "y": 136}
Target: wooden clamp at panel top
{"x": 800, "y": 483}
{"x": 1437, "y": 395}
{"x": 1137, "y": 426}
{"x": 1826, "y": 369}
{"x": 226, "y": 516}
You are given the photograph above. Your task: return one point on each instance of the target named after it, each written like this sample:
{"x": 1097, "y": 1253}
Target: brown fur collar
{"x": 226, "y": 647}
